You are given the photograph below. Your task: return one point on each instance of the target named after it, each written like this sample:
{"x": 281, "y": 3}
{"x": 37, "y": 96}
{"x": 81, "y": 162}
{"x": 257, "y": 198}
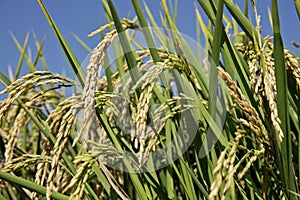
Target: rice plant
{"x": 162, "y": 119}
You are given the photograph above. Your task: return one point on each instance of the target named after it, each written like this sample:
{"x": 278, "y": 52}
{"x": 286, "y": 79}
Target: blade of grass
{"x": 22, "y": 56}
{"x": 3, "y": 197}
{"x": 242, "y": 20}
{"x": 270, "y": 18}
{"x": 4, "y": 80}
{"x": 236, "y": 61}
{"x": 170, "y": 183}
{"x": 39, "y": 47}
{"x": 145, "y": 30}
{"x": 207, "y": 9}
{"x": 170, "y": 127}
{"x": 174, "y": 10}
{"x": 187, "y": 179}
{"x": 178, "y": 38}
{"x": 246, "y": 9}
{"x": 39, "y": 54}
{"x": 196, "y": 181}
{"x": 198, "y": 33}
{"x": 30, "y": 185}
{"x": 83, "y": 44}
{"x": 107, "y": 11}
{"x": 28, "y": 62}
{"x": 297, "y": 6}
{"x": 77, "y": 69}
{"x": 129, "y": 54}
{"x": 216, "y": 48}
{"x": 169, "y": 170}
{"x": 282, "y": 102}
{"x": 108, "y": 73}
{"x": 204, "y": 28}
{"x": 32, "y": 66}
{"x": 115, "y": 44}
{"x": 148, "y": 37}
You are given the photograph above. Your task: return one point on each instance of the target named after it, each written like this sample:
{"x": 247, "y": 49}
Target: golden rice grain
{"x": 254, "y": 122}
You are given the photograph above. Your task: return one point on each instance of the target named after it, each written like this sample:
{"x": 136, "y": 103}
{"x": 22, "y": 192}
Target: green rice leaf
{"x": 146, "y": 31}
{"x": 39, "y": 54}
{"x": 282, "y": 102}
{"x": 76, "y": 67}
{"x": 128, "y": 53}
{"x": 30, "y": 185}
{"x": 297, "y": 6}
{"x": 22, "y": 57}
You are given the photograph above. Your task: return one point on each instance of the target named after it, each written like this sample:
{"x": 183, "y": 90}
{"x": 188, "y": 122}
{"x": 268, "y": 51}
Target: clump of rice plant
{"x": 99, "y": 144}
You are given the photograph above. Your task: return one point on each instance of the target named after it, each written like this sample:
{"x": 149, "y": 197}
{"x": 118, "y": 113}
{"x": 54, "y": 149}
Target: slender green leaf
{"x": 297, "y": 6}
{"x": 30, "y": 185}
{"x": 282, "y": 102}
{"x": 145, "y": 30}
{"x": 77, "y": 69}
{"x": 216, "y": 49}
{"x": 28, "y": 62}
{"x": 82, "y": 43}
{"x": 242, "y": 20}
{"x": 40, "y": 55}
{"x": 22, "y": 57}
{"x": 128, "y": 52}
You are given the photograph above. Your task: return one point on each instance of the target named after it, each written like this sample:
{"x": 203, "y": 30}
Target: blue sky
{"x": 82, "y": 17}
